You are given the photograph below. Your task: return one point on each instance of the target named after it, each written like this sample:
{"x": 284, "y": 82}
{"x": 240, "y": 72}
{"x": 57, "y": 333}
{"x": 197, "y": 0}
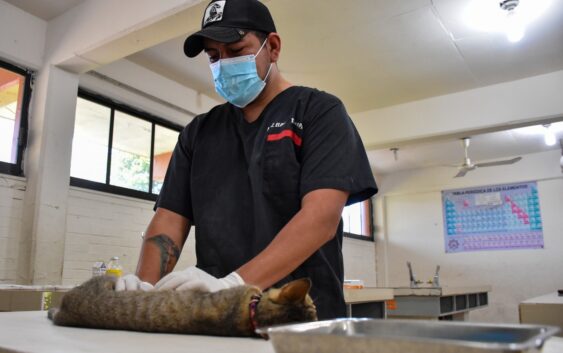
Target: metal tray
{"x": 406, "y": 336}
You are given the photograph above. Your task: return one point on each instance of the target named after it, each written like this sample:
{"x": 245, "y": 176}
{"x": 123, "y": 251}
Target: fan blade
{"x": 495, "y": 163}
{"x": 461, "y": 172}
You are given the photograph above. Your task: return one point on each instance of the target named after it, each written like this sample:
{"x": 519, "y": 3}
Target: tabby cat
{"x": 231, "y": 312}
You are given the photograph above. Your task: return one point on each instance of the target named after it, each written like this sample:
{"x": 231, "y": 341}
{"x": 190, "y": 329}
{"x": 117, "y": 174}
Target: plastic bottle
{"x": 99, "y": 269}
{"x": 114, "y": 267}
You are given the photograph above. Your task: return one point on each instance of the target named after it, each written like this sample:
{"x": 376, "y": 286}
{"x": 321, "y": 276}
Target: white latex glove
{"x": 194, "y": 278}
{"x": 131, "y": 282}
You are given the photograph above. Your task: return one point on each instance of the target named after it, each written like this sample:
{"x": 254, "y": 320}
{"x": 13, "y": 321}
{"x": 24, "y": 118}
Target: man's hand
{"x": 194, "y": 278}
{"x": 131, "y": 282}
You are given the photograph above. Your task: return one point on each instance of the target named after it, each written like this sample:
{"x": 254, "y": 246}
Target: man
{"x": 263, "y": 177}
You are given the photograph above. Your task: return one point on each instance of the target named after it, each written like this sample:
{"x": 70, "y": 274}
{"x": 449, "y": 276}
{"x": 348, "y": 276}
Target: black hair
{"x": 260, "y": 35}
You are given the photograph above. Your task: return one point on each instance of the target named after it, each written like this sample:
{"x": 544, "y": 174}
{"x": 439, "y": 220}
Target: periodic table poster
{"x": 495, "y": 217}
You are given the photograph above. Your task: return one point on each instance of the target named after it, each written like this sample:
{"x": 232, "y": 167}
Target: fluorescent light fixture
{"x": 510, "y": 17}
{"x": 539, "y": 130}
{"x": 549, "y": 136}
{"x": 514, "y": 28}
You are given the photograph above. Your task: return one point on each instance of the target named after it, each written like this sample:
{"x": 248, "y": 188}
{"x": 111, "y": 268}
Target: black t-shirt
{"x": 241, "y": 183}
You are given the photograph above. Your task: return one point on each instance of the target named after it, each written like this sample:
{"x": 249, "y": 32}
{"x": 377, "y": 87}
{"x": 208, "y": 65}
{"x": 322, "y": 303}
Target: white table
{"x": 545, "y": 310}
{"x": 445, "y": 303}
{"x": 367, "y": 302}
{"x": 32, "y": 332}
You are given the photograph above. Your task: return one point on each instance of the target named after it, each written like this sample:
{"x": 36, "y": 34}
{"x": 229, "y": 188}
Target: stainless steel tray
{"x": 406, "y": 336}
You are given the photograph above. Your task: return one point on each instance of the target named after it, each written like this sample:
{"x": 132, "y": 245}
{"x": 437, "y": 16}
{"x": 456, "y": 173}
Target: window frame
{"x": 371, "y": 236}
{"x": 114, "y": 105}
{"x": 21, "y": 121}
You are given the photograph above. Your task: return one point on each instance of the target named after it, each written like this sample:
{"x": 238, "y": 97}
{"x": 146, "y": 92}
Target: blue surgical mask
{"x": 237, "y": 80}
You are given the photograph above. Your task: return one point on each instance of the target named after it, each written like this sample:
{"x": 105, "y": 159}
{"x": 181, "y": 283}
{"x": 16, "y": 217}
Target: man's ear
{"x": 274, "y": 43}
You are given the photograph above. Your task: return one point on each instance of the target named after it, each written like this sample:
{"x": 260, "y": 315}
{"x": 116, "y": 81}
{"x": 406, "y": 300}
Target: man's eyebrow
{"x": 236, "y": 45}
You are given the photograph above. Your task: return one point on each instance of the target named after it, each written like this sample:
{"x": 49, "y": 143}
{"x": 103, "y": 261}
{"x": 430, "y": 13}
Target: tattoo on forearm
{"x": 169, "y": 252}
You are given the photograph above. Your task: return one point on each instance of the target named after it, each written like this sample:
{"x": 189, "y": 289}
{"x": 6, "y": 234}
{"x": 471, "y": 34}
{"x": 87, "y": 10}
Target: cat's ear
{"x": 295, "y": 291}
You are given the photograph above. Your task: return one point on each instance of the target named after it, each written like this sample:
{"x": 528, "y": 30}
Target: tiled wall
{"x": 359, "y": 260}
{"x": 12, "y": 191}
{"x": 100, "y": 226}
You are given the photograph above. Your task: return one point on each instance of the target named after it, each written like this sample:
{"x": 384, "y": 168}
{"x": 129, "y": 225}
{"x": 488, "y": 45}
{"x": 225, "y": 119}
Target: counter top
{"x": 36, "y": 288}
{"x": 367, "y": 294}
{"x": 551, "y": 298}
{"x": 32, "y": 332}
{"x": 440, "y": 291}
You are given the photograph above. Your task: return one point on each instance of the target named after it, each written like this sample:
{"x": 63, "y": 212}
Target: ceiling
{"x": 483, "y": 148}
{"x": 45, "y": 9}
{"x": 377, "y": 53}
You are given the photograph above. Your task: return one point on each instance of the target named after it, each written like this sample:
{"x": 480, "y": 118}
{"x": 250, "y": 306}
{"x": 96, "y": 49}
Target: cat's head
{"x": 290, "y": 303}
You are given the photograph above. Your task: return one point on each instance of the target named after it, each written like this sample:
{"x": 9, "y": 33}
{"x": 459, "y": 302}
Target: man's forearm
{"x": 308, "y": 230}
{"x": 159, "y": 252}
{"x": 162, "y": 245}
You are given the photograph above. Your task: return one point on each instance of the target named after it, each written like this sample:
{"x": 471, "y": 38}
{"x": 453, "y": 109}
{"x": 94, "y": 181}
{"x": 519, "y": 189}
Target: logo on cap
{"x": 214, "y": 12}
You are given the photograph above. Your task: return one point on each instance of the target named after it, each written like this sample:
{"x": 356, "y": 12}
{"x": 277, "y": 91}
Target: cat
{"x": 236, "y": 311}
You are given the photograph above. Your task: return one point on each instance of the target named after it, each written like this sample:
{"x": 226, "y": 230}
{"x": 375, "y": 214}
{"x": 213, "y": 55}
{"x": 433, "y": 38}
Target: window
{"x": 118, "y": 149}
{"x": 164, "y": 143}
{"x": 358, "y": 220}
{"x": 15, "y": 91}
{"x": 90, "y": 141}
{"x": 130, "y": 152}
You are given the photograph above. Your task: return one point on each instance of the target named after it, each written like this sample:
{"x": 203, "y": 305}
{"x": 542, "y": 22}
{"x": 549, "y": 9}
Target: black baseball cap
{"x": 227, "y": 21}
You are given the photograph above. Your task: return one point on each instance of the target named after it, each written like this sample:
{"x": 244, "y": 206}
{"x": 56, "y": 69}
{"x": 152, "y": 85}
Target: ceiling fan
{"x": 468, "y": 165}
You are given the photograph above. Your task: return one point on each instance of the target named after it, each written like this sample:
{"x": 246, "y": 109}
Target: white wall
{"x": 96, "y": 33}
{"x": 413, "y": 231}
{"x": 22, "y": 36}
{"x": 359, "y": 261}
{"x": 130, "y": 74}
{"x": 492, "y": 108}
{"x": 12, "y": 190}
{"x": 22, "y": 41}
{"x": 100, "y": 226}
{"x": 134, "y": 75}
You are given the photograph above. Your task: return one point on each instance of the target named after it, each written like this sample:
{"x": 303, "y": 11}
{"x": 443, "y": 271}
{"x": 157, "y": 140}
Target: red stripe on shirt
{"x": 286, "y": 133}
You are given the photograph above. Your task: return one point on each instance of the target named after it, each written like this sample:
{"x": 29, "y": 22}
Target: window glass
{"x": 90, "y": 141}
{"x": 130, "y": 154}
{"x": 352, "y": 216}
{"x": 356, "y": 219}
{"x": 164, "y": 141}
{"x": 115, "y": 146}
{"x": 11, "y": 96}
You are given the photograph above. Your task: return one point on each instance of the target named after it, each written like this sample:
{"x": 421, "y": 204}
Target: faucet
{"x": 413, "y": 281}
{"x": 436, "y": 279}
